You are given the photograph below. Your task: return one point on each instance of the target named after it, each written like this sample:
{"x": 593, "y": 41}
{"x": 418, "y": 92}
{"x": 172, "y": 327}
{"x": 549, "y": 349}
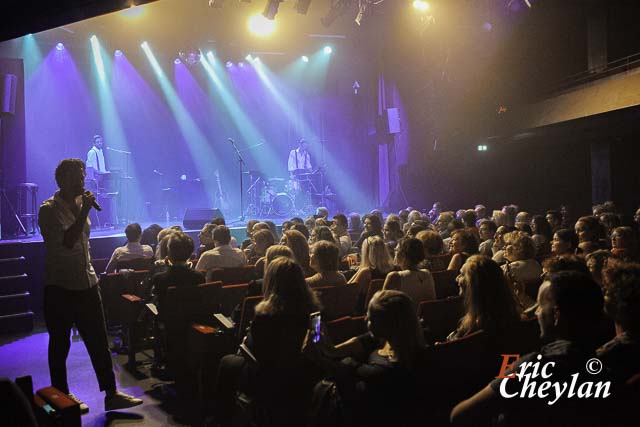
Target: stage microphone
{"x": 95, "y": 204}
{"x": 230, "y": 140}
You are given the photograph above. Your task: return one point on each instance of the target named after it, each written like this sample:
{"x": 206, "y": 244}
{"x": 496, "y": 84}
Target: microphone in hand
{"x": 89, "y": 197}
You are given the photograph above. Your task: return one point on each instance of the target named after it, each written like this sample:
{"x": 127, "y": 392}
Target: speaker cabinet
{"x": 196, "y": 218}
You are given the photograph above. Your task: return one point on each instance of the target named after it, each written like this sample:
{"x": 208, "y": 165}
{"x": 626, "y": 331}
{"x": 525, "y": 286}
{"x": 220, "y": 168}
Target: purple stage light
{"x": 60, "y": 46}
{"x": 229, "y": 64}
{"x": 118, "y": 53}
{"x": 177, "y": 61}
{"x": 487, "y": 26}
{"x": 241, "y": 64}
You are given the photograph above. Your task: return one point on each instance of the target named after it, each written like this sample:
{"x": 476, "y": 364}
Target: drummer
{"x": 299, "y": 160}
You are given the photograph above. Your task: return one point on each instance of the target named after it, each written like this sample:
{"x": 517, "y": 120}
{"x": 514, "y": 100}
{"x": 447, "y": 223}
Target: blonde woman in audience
{"x": 375, "y": 263}
{"x": 296, "y": 241}
{"x": 413, "y": 281}
{"x": 325, "y": 257}
{"x": 521, "y": 268}
{"x": 433, "y": 249}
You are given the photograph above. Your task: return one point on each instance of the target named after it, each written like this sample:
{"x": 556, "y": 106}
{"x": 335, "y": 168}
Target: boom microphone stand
{"x": 241, "y": 164}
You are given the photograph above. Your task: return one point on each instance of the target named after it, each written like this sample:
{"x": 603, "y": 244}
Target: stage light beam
{"x": 60, "y": 46}
{"x": 327, "y": 50}
{"x": 421, "y": 5}
{"x": 305, "y": 58}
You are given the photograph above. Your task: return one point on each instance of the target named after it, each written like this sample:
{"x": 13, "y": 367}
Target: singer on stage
{"x": 71, "y": 291}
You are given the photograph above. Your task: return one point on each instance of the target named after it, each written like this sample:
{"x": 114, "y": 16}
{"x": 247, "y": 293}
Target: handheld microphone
{"x": 95, "y": 204}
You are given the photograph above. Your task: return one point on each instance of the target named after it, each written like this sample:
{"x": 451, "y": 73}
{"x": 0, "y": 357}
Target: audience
{"x": 132, "y": 250}
{"x": 325, "y": 257}
{"x": 486, "y": 230}
{"x": 554, "y": 218}
{"x": 565, "y": 242}
{"x": 296, "y": 241}
{"x": 463, "y": 244}
{"x": 340, "y": 231}
{"x": 521, "y": 268}
{"x": 392, "y": 232}
{"x": 590, "y": 233}
{"x": 372, "y": 227}
{"x": 624, "y": 244}
{"x": 206, "y": 239}
{"x": 433, "y": 250}
{"x": 321, "y": 233}
{"x": 222, "y": 255}
{"x": 261, "y": 241}
{"x": 413, "y": 281}
{"x": 375, "y": 263}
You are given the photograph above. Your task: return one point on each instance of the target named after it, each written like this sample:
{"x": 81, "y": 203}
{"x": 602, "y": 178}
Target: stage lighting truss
{"x": 338, "y": 8}
{"x": 216, "y": 3}
{"x": 362, "y": 9}
{"x": 302, "y": 6}
{"x": 271, "y": 9}
{"x": 190, "y": 57}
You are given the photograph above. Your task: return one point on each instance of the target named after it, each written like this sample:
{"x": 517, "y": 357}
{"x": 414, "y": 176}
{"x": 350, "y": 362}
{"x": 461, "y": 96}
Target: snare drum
{"x": 282, "y": 205}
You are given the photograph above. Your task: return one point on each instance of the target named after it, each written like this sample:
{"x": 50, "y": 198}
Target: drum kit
{"x": 282, "y": 197}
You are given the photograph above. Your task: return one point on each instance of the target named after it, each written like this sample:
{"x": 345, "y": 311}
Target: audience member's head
{"x": 469, "y": 218}
{"x": 162, "y": 250}
{"x": 431, "y": 242}
{"x": 498, "y": 238}
{"x": 296, "y": 241}
{"x": 519, "y": 246}
{"x": 372, "y": 225}
{"x": 221, "y": 235}
{"x": 321, "y": 233}
{"x": 179, "y": 247}
{"x": 322, "y": 212}
{"x": 609, "y": 221}
{"x": 325, "y": 256}
{"x": 565, "y": 262}
{"x": 354, "y": 221}
{"x": 150, "y": 235}
{"x": 286, "y": 225}
{"x": 375, "y": 255}
{"x": 274, "y": 252}
{"x": 554, "y": 218}
{"x": 442, "y": 223}
{"x": 286, "y": 291}
{"x": 565, "y": 241}
{"x": 624, "y": 242}
{"x": 297, "y": 220}
{"x": 415, "y": 229}
{"x": 622, "y": 296}
{"x": 523, "y": 218}
{"x": 511, "y": 211}
{"x": 339, "y": 224}
{"x": 218, "y": 221}
{"x": 206, "y": 234}
{"x": 392, "y": 317}
{"x": 302, "y": 229}
{"x": 488, "y": 298}
{"x": 487, "y": 229}
{"x": 133, "y": 232}
{"x": 539, "y": 225}
{"x": 262, "y": 240}
{"x": 463, "y": 241}
{"x": 409, "y": 253}
{"x": 481, "y": 211}
{"x": 588, "y": 229}
{"x": 596, "y": 262}
{"x": 273, "y": 228}
{"x": 569, "y": 307}
{"x": 392, "y": 231}
{"x": 500, "y": 218}
{"x": 250, "y": 225}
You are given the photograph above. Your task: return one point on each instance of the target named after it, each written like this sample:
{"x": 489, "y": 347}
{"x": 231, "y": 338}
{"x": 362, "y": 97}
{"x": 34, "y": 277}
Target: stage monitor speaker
{"x": 196, "y": 218}
{"x": 8, "y": 88}
{"x": 392, "y": 121}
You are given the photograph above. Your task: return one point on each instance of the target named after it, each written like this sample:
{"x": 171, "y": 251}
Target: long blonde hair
{"x": 285, "y": 290}
{"x": 375, "y": 255}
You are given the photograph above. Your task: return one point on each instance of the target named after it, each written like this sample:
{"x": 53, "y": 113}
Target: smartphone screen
{"x": 314, "y": 325}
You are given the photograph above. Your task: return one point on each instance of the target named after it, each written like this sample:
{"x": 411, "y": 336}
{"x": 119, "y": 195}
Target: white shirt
{"x": 132, "y": 250}
{"x": 298, "y": 159}
{"x": 344, "y": 242}
{"x": 221, "y": 257}
{"x": 95, "y": 161}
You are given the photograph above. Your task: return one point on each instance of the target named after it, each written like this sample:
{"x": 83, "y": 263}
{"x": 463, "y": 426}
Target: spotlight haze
{"x": 60, "y": 46}
{"x": 327, "y": 50}
{"x": 118, "y": 53}
{"x": 305, "y": 58}
{"x": 261, "y": 26}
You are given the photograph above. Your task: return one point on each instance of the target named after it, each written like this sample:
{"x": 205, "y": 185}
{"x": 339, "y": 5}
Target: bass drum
{"x": 282, "y": 205}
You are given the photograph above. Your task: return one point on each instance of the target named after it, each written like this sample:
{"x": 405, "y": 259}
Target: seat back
{"x": 337, "y": 301}
{"x": 440, "y": 317}
{"x": 193, "y": 303}
{"x": 135, "y": 264}
{"x": 231, "y": 296}
{"x": 439, "y": 262}
{"x": 340, "y": 330}
{"x": 374, "y": 286}
{"x": 248, "y": 311}
{"x": 445, "y": 283}
{"x": 233, "y": 276}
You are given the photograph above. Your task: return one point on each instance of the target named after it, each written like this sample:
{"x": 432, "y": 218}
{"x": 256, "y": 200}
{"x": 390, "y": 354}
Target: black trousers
{"x": 63, "y": 308}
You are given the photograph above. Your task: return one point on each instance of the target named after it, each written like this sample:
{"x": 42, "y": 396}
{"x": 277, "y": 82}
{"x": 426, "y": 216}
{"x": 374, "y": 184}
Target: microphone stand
{"x": 241, "y": 164}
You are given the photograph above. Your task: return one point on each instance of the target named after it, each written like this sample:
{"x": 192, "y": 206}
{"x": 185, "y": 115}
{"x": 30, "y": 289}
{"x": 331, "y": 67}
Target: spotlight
{"x": 241, "y": 64}
{"x": 144, "y": 45}
{"x": 302, "y": 6}
{"x": 327, "y": 50}
{"x": 177, "y": 61}
{"x": 421, "y": 5}
{"x": 190, "y": 57}
{"x": 482, "y": 148}
{"x": 229, "y": 64}
{"x": 261, "y": 26}
{"x": 271, "y": 9}
{"x": 305, "y": 58}
{"x": 60, "y": 46}
{"x": 338, "y": 8}
{"x": 248, "y": 57}
{"x": 256, "y": 59}
{"x": 118, "y": 53}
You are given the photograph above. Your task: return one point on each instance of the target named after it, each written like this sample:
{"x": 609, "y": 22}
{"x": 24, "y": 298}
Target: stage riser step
{"x": 13, "y": 266}
{"x": 11, "y": 285}
{"x": 15, "y": 323}
{"x": 15, "y": 304}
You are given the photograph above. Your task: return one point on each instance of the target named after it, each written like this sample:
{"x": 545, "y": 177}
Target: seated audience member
{"x": 554, "y": 218}
{"x": 488, "y": 299}
{"x": 624, "y": 244}
{"x": 434, "y": 212}
{"x": 274, "y": 230}
{"x": 541, "y": 235}
{"x": 411, "y": 280}
{"x": 310, "y": 223}
{"x": 179, "y": 272}
{"x": 321, "y": 233}
{"x": 565, "y": 242}
{"x": 322, "y": 212}
{"x": 375, "y": 263}
{"x": 621, "y": 355}
{"x": 378, "y": 213}
{"x": 469, "y": 220}
{"x": 416, "y": 228}
{"x": 596, "y": 261}
{"x": 339, "y": 228}
{"x": 521, "y": 269}
{"x": 160, "y": 263}
{"x": 404, "y": 216}
{"x": 302, "y": 229}
{"x": 463, "y": 244}
{"x": 414, "y": 216}
{"x": 392, "y": 232}
{"x": 355, "y": 223}
{"x": 453, "y": 226}
{"x": 511, "y": 211}
{"x": 220, "y": 221}
{"x": 569, "y": 309}
{"x": 132, "y": 250}
{"x": 381, "y": 369}
{"x": 249, "y": 249}
{"x": 262, "y": 240}
{"x": 372, "y": 227}
{"x": 222, "y": 255}
{"x": 442, "y": 223}
{"x": 501, "y": 219}
{"x": 481, "y": 213}
{"x": 486, "y": 230}
{"x": 610, "y": 221}
{"x": 206, "y": 238}
{"x": 499, "y": 244}
{"x": 281, "y": 379}
{"x": 523, "y": 218}
{"x": 433, "y": 249}
{"x": 248, "y": 232}
{"x": 296, "y": 241}
{"x": 590, "y": 233}
{"x": 286, "y": 225}
{"x": 297, "y": 220}
{"x": 150, "y": 236}
{"x": 325, "y": 257}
